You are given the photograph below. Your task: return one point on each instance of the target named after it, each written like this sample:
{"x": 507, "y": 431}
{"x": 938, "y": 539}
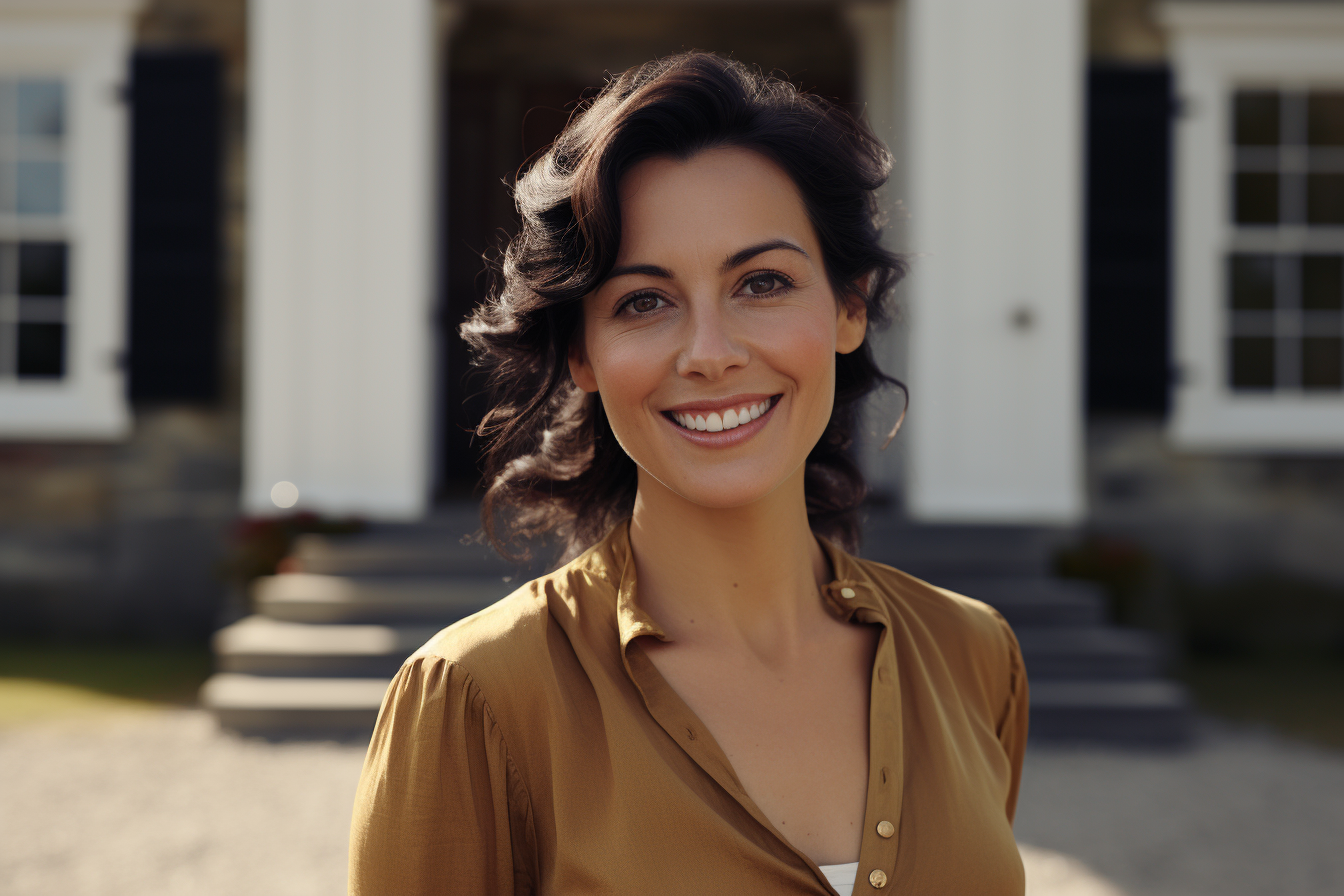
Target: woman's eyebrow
{"x": 732, "y": 261}
{"x": 648, "y": 270}
{"x": 751, "y": 252}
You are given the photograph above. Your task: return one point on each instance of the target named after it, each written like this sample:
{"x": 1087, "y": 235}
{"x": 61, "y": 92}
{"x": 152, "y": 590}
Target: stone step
{"x": 418, "y": 551}
{"x": 935, "y": 552}
{"x": 273, "y": 707}
{"x": 259, "y": 645}
{"x": 1148, "y": 713}
{"x": 437, "y": 601}
{"x": 1142, "y": 713}
{"x": 1034, "y": 600}
{"x": 1090, "y": 653}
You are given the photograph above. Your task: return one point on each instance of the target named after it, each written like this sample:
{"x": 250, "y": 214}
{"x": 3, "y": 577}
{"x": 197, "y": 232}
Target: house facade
{"x": 236, "y": 239}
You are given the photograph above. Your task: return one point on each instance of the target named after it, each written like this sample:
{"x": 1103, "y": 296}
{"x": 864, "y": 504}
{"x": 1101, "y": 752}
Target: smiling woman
{"x": 713, "y": 695}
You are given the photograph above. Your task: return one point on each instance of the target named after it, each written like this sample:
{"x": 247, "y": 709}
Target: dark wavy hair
{"x": 553, "y": 465}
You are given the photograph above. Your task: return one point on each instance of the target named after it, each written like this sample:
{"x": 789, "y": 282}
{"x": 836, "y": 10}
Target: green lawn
{"x": 1302, "y": 697}
{"x": 50, "y": 680}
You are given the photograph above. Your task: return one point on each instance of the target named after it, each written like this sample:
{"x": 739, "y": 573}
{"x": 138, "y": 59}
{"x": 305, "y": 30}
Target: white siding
{"x": 995, "y": 140}
{"x": 338, "y": 383}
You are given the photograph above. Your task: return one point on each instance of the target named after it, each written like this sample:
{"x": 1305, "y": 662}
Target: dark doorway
{"x": 514, "y": 77}
{"x": 1129, "y": 115}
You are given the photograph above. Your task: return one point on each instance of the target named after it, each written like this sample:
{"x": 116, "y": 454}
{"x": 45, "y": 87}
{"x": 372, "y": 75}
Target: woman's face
{"x": 712, "y": 343}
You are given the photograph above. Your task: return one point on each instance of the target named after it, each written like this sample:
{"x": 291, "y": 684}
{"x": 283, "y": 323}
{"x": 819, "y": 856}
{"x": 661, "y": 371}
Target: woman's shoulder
{"x": 953, "y": 622}
{"x": 521, "y": 643}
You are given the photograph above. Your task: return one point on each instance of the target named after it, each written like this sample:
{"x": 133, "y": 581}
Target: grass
{"x": 39, "y": 681}
{"x": 1300, "y": 696}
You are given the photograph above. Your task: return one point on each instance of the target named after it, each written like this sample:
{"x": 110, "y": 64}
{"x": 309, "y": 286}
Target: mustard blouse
{"x": 534, "y": 748}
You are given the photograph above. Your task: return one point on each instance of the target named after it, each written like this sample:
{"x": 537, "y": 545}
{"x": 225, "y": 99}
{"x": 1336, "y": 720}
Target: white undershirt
{"x": 842, "y": 877}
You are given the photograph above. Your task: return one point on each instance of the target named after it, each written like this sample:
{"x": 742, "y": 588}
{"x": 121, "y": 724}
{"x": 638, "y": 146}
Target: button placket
{"x": 880, "y": 858}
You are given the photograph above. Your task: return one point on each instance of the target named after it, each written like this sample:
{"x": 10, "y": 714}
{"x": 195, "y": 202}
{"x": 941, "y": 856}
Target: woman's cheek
{"x": 628, "y": 371}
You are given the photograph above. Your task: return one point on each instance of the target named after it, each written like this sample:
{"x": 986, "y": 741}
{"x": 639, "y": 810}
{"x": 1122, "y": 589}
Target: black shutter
{"x": 175, "y": 238}
{"x": 1129, "y": 114}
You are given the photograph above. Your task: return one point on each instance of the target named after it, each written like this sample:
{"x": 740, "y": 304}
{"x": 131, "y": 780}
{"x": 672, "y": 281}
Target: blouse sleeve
{"x": 440, "y": 807}
{"x": 1012, "y": 726}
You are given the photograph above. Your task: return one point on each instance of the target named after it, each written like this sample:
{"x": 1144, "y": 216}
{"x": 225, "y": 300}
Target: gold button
{"x": 885, "y": 829}
{"x": 847, "y": 593}
{"x": 878, "y": 879}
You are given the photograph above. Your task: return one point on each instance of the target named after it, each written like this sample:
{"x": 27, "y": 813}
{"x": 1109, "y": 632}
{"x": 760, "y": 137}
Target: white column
{"x": 995, "y": 140}
{"x": 337, "y": 360}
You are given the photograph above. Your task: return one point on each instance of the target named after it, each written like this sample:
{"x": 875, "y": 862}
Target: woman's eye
{"x": 644, "y": 304}
{"x": 762, "y": 284}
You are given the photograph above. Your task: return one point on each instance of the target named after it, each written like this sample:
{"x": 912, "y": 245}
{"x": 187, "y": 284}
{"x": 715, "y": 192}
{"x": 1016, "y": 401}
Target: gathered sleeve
{"x": 441, "y": 808}
{"x": 1012, "y": 724}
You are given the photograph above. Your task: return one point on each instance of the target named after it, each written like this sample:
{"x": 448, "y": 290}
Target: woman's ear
{"x": 579, "y": 369}
{"x": 851, "y": 322}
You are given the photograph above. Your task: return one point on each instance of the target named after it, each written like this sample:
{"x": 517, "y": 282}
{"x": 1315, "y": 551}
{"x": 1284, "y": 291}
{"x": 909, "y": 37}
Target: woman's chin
{"x": 717, "y": 492}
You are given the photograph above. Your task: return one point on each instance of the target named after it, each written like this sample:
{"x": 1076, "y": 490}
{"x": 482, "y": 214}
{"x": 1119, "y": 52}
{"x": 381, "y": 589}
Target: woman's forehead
{"x": 715, "y": 201}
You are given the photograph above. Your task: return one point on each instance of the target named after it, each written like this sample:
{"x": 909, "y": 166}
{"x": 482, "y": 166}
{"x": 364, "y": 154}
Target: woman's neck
{"x": 744, "y": 577}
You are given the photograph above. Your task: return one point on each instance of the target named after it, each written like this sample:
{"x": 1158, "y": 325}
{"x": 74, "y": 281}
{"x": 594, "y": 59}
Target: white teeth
{"x": 731, "y": 418}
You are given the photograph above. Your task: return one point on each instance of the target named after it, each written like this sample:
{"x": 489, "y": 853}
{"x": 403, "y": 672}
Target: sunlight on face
{"x": 712, "y": 344}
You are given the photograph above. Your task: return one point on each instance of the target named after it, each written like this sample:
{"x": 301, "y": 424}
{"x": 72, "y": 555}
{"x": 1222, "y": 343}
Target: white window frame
{"x": 1218, "y": 48}
{"x": 85, "y": 44}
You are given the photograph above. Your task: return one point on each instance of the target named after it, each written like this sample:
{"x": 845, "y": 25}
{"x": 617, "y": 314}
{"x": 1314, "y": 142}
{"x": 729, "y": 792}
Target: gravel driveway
{"x": 162, "y": 803}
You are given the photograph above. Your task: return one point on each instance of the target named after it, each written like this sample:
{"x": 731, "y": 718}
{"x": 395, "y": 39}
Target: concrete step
{"x": 1088, "y": 653}
{"x": 437, "y": 601}
{"x": 423, "y": 552}
{"x": 258, "y": 645}
{"x": 1143, "y": 713}
{"x": 1034, "y": 600}
{"x": 1148, "y": 713}
{"x": 268, "y": 706}
{"x": 936, "y": 552}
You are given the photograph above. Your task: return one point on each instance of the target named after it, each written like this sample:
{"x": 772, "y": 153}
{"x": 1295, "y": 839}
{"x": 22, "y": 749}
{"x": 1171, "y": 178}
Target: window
{"x": 63, "y": 219}
{"x": 34, "y": 278}
{"x": 1258, "y": 287}
{"x": 1285, "y": 275}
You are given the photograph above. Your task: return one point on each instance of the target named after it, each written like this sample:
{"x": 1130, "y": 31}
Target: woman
{"x": 710, "y": 698}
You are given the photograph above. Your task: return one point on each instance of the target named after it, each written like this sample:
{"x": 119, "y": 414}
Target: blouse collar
{"x": 849, "y": 594}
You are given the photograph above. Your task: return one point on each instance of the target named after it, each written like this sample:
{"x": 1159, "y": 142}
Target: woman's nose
{"x": 711, "y": 350}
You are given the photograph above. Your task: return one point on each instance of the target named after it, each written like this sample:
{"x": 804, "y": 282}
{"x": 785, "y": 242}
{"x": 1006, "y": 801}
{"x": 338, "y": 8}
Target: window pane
{"x": 1251, "y": 282}
{"x": 1257, "y": 198}
{"x": 41, "y": 350}
{"x": 6, "y": 106}
{"x": 1325, "y": 118}
{"x": 1322, "y": 362}
{"x": 40, "y": 108}
{"x": 1325, "y": 198}
{"x": 1322, "y": 282}
{"x": 40, "y": 189}
{"x": 41, "y": 310}
{"x": 1252, "y": 362}
{"x": 1256, "y": 115}
{"x": 6, "y": 186}
{"x": 42, "y": 269}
